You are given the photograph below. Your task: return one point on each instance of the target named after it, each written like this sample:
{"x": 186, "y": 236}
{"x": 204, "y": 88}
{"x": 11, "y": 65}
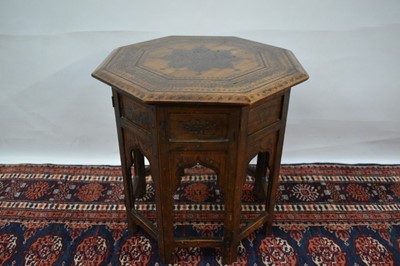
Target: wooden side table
{"x": 214, "y": 101}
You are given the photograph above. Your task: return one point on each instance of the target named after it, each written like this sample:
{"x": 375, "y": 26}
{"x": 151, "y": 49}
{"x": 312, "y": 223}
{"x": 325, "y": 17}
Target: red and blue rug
{"x": 326, "y": 214}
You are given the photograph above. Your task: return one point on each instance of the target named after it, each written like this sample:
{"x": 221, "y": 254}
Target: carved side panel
{"x": 137, "y": 121}
{"x": 193, "y": 127}
{"x": 265, "y": 114}
{"x": 136, "y": 140}
{"x": 138, "y": 113}
{"x": 262, "y": 144}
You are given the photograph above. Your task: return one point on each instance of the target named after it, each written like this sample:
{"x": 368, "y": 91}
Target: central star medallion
{"x": 200, "y": 59}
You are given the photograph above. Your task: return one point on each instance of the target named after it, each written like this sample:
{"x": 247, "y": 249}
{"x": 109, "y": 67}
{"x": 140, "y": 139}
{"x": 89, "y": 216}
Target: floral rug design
{"x": 326, "y": 214}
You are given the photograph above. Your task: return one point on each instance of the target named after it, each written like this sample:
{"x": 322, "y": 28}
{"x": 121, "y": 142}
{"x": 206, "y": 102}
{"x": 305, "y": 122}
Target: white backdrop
{"x": 52, "y": 111}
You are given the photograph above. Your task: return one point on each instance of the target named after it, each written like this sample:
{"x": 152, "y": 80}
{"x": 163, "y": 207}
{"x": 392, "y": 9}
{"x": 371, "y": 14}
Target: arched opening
{"x": 142, "y": 185}
{"x": 198, "y": 203}
{"x": 255, "y": 189}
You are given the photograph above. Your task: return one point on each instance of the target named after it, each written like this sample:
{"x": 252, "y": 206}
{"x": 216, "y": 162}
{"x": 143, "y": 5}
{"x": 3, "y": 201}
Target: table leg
{"x": 229, "y": 254}
{"x": 140, "y": 174}
{"x": 233, "y": 201}
{"x": 275, "y": 165}
{"x": 164, "y": 204}
{"x": 125, "y": 148}
{"x": 261, "y": 182}
{"x": 126, "y": 162}
{"x": 272, "y": 186}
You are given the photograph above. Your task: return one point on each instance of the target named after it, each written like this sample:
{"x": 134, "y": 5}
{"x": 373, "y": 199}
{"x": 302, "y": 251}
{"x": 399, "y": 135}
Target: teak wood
{"x": 215, "y": 101}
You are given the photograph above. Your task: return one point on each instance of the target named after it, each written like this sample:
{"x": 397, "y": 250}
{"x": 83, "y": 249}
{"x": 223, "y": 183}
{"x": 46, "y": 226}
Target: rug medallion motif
{"x": 326, "y": 214}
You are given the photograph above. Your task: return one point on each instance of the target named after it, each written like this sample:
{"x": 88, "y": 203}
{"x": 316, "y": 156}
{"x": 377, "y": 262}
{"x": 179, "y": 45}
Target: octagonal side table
{"x": 214, "y": 101}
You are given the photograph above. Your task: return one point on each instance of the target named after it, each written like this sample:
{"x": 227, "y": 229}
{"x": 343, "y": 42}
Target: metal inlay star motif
{"x": 200, "y": 59}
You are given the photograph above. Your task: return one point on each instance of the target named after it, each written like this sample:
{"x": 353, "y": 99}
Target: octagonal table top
{"x": 200, "y": 69}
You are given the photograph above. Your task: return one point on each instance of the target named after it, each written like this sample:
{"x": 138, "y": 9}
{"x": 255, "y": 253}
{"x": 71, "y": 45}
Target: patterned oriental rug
{"x": 326, "y": 214}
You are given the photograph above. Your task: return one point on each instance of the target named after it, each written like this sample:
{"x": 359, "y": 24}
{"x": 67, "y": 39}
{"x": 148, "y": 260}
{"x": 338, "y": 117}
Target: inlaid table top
{"x": 226, "y": 70}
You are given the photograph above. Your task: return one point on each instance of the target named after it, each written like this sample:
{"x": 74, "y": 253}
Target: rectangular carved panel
{"x": 137, "y": 113}
{"x": 262, "y": 143}
{"x": 198, "y": 127}
{"x": 265, "y": 114}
